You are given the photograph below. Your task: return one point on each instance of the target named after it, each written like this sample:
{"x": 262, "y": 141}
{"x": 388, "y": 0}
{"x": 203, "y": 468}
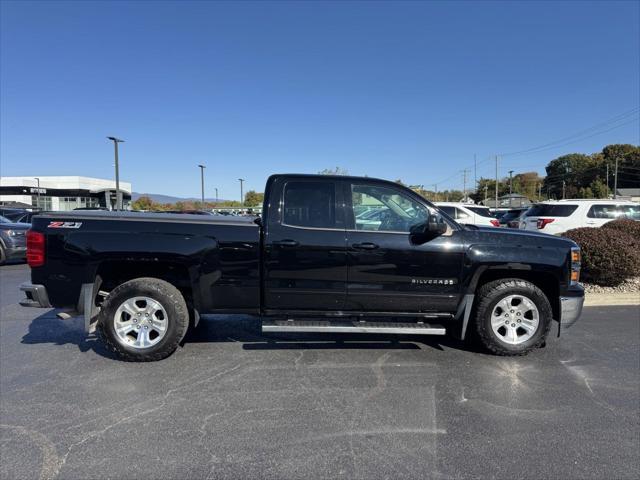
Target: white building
{"x": 63, "y": 193}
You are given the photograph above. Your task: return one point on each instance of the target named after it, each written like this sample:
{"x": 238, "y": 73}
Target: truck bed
{"x": 218, "y": 257}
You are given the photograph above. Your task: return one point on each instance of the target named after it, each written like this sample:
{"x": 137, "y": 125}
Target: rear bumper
{"x": 35, "y": 296}
{"x": 571, "y": 307}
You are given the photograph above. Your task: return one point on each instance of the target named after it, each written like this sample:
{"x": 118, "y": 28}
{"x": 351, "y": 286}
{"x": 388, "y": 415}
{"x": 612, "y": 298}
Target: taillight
{"x": 35, "y": 249}
{"x": 495, "y": 223}
{"x": 542, "y": 222}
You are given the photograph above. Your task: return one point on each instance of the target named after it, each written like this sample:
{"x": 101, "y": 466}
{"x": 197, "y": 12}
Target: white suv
{"x": 468, "y": 213}
{"x": 556, "y": 217}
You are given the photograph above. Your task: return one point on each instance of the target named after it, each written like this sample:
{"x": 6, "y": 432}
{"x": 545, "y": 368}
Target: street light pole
{"x": 38, "y": 193}
{"x": 202, "y": 167}
{"x": 241, "y": 180}
{"x": 510, "y": 186}
{"x": 216, "y": 189}
{"x": 116, "y": 141}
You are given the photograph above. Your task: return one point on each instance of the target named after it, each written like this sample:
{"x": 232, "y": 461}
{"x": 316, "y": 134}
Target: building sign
{"x": 38, "y": 190}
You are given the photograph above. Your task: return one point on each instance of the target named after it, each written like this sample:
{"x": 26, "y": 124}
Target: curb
{"x": 604, "y": 299}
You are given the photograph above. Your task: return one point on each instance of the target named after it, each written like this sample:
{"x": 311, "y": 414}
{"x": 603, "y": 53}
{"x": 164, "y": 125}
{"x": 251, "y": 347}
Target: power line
{"x": 581, "y": 133}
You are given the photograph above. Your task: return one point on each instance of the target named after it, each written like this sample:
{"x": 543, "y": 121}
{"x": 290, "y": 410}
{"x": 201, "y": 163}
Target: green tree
{"x": 253, "y": 199}
{"x": 143, "y": 203}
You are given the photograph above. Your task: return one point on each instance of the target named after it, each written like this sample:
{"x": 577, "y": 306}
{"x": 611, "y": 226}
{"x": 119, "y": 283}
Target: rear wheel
{"x": 513, "y": 316}
{"x": 143, "y": 319}
{"x": 3, "y": 256}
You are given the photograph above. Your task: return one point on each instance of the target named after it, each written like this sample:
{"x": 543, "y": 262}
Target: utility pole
{"x": 615, "y": 181}
{"x": 563, "y": 185}
{"x": 496, "y": 205}
{"x": 475, "y": 173}
{"x": 464, "y": 185}
{"x": 607, "y": 177}
{"x": 202, "y": 167}
{"x": 216, "y": 189}
{"x": 486, "y": 191}
{"x": 241, "y": 180}
{"x": 539, "y": 191}
{"x": 116, "y": 141}
{"x": 435, "y": 187}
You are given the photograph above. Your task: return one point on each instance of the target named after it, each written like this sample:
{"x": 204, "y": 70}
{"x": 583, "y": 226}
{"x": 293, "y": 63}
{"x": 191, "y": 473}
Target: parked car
{"x": 469, "y": 213}
{"x": 17, "y": 215}
{"x": 510, "y": 218}
{"x": 141, "y": 279}
{"x": 12, "y": 240}
{"x": 187, "y": 212}
{"x": 558, "y": 216}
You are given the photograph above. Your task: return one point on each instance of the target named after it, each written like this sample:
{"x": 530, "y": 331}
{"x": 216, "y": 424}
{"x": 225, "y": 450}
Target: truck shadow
{"x": 47, "y": 328}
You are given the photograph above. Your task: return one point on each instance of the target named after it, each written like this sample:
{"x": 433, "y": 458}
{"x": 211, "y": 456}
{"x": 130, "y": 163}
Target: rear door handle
{"x": 365, "y": 246}
{"x": 287, "y": 242}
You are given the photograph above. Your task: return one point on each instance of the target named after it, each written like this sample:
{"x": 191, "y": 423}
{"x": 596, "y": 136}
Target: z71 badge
{"x": 65, "y": 224}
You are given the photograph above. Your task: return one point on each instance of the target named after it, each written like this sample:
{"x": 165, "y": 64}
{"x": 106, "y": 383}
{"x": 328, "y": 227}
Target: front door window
{"x": 385, "y": 209}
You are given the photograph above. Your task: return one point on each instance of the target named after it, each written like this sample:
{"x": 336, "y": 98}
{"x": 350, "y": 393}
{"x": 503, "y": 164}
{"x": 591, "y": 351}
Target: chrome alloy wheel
{"x": 515, "y": 319}
{"x": 140, "y": 322}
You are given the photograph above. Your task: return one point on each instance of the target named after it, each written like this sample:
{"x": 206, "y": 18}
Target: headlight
{"x": 12, "y": 233}
{"x": 576, "y": 258}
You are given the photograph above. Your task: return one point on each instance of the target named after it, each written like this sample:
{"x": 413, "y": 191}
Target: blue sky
{"x": 393, "y": 90}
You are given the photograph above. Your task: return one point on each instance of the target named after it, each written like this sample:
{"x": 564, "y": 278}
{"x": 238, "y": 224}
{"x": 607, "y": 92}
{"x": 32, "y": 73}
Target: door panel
{"x": 400, "y": 277}
{"x": 305, "y": 265}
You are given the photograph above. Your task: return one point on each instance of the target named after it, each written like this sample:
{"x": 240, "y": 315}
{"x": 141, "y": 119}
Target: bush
{"x": 624, "y": 225}
{"x": 609, "y": 255}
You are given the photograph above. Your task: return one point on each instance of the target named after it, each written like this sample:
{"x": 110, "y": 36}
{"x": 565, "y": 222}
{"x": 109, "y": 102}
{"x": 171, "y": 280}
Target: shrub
{"x": 609, "y": 255}
{"x": 625, "y": 225}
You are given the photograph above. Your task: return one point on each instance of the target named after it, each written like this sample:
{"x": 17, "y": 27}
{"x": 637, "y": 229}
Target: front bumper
{"x": 36, "y": 296}
{"x": 571, "y": 308}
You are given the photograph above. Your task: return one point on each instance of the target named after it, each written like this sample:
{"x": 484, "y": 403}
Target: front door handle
{"x": 287, "y": 242}
{"x": 365, "y": 246}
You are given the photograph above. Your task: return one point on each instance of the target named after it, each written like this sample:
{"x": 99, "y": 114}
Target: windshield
{"x": 4, "y": 220}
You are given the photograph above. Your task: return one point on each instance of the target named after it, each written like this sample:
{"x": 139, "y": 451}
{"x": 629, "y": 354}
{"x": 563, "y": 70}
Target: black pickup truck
{"x": 330, "y": 254}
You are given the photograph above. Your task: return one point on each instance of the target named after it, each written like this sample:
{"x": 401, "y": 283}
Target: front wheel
{"x": 513, "y": 316}
{"x": 143, "y": 319}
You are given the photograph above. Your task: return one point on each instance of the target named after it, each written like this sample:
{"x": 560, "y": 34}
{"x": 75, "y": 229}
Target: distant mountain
{"x": 159, "y": 198}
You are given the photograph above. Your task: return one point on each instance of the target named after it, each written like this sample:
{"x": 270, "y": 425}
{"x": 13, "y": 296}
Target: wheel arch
{"x": 544, "y": 280}
{"x": 112, "y": 273}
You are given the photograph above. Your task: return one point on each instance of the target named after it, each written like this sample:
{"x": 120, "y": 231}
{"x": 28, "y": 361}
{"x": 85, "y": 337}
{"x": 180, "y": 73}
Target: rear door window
{"x": 551, "y": 210}
{"x": 310, "y": 204}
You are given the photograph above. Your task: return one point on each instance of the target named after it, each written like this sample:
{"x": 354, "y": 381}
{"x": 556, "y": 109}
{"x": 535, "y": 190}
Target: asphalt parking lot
{"x": 234, "y": 403}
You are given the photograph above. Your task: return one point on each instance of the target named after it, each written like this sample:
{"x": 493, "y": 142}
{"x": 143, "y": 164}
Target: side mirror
{"x": 434, "y": 226}
{"x": 437, "y": 225}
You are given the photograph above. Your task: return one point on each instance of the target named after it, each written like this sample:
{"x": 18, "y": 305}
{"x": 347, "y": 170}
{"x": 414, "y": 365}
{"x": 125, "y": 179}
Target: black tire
{"x": 171, "y": 300}
{"x": 488, "y": 297}
{"x": 3, "y": 256}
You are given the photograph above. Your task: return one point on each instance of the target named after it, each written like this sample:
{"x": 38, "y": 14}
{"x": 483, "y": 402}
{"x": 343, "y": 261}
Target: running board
{"x": 351, "y": 327}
